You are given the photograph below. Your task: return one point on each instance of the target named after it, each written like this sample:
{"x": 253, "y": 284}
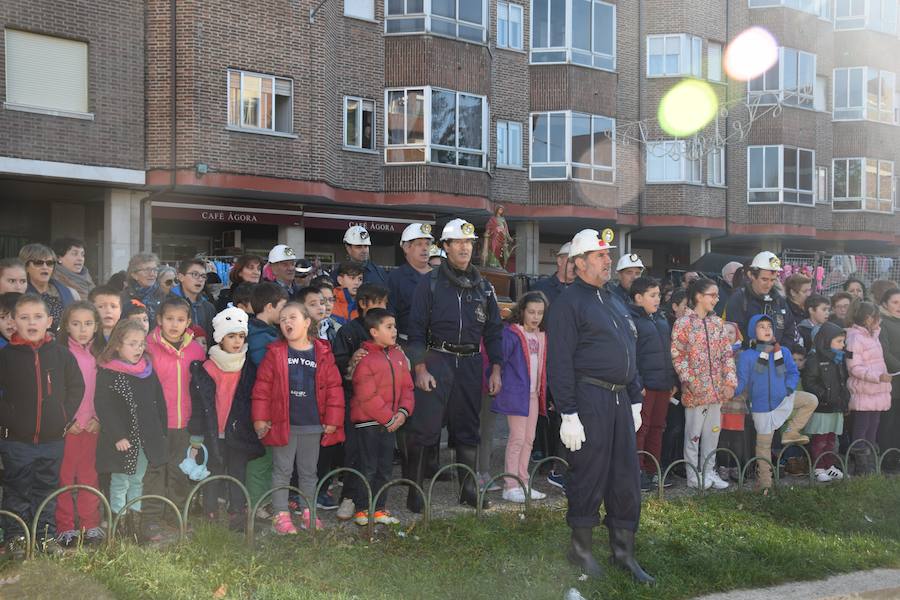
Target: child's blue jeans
{"x": 124, "y": 487}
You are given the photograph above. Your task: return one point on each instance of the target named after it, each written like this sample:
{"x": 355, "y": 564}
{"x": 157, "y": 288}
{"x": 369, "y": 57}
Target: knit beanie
{"x": 230, "y": 320}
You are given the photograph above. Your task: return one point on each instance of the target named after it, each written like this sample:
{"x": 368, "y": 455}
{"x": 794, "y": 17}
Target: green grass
{"x": 721, "y": 542}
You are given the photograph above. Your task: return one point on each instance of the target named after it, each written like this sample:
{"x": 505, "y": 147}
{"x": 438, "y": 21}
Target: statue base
{"x": 500, "y": 279}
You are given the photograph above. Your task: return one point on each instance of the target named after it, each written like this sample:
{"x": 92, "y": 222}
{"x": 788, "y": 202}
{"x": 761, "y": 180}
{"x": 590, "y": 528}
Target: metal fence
{"x": 183, "y": 514}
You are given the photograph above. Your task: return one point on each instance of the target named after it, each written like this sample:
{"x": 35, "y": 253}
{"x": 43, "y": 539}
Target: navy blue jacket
{"x": 620, "y": 292}
{"x": 455, "y": 314}
{"x": 402, "y": 283}
{"x": 551, "y": 286}
{"x": 589, "y": 335}
{"x": 744, "y": 303}
{"x": 654, "y": 349}
{"x": 372, "y": 273}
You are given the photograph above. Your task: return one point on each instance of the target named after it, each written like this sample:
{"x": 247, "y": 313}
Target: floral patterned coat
{"x": 702, "y": 357}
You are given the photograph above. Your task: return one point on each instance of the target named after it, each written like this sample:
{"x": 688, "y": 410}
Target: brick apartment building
{"x": 210, "y": 126}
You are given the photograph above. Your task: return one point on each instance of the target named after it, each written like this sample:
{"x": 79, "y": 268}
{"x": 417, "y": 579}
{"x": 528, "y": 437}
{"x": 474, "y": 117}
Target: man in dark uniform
{"x": 402, "y": 281}
{"x": 453, "y": 309}
{"x": 592, "y": 373}
{"x": 629, "y": 268}
{"x": 357, "y": 242}
{"x": 554, "y": 285}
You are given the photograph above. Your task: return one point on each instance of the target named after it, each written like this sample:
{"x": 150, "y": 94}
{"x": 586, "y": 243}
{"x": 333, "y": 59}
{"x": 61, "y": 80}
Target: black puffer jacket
{"x": 823, "y": 377}
{"x": 204, "y": 421}
{"x": 654, "y": 349}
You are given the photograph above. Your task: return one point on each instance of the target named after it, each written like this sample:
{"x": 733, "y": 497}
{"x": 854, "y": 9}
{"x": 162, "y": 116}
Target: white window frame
{"x": 359, "y": 129}
{"x": 565, "y": 54}
{"x": 264, "y": 130}
{"x": 427, "y": 145}
{"x": 568, "y": 163}
{"x": 864, "y": 111}
{"x": 782, "y": 188}
{"x": 778, "y": 95}
{"x": 822, "y": 187}
{"x": 714, "y": 56}
{"x": 370, "y": 12}
{"x": 506, "y": 158}
{"x": 417, "y": 23}
{"x": 690, "y": 55}
{"x": 689, "y": 170}
{"x": 715, "y": 163}
{"x": 867, "y": 198}
{"x": 845, "y": 19}
{"x": 504, "y": 25}
{"x": 819, "y": 8}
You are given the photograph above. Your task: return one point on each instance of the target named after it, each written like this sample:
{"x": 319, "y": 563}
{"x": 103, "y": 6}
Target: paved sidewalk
{"x": 880, "y": 584}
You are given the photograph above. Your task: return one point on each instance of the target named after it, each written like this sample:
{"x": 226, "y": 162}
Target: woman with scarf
{"x": 142, "y": 284}
{"x": 71, "y": 270}
{"x": 40, "y": 266}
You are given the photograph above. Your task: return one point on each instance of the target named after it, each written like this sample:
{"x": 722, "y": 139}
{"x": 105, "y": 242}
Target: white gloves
{"x": 571, "y": 432}
{"x": 636, "y": 415}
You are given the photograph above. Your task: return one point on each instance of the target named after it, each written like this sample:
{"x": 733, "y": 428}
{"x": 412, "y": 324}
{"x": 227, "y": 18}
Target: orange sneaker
{"x": 361, "y": 518}
{"x": 383, "y": 517}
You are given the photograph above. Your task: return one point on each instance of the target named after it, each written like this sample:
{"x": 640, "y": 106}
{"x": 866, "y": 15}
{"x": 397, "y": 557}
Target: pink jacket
{"x": 866, "y": 366}
{"x": 173, "y": 368}
{"x": 87, "y": 364}
{"x": 703, "y": 360}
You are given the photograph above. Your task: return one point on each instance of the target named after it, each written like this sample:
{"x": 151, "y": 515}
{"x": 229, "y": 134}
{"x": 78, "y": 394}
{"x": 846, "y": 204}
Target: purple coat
{"x": 513, "y": 398}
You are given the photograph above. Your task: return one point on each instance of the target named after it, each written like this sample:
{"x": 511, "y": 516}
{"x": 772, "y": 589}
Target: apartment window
{"x": 359, "y": 123}
{"x": 715, "y": 166}
{"x": 822, "y": 185}
{"x": 436, "y": 126}
{"x": 463, "y": 19}
{"x": 259, "y": 102}
{"x": 509, "y": 144}
{"x": 780, "y": 174}
{"x": 714, "y": 61}
{"x": 570, "y": 145}
{"x": 673, "y": 55}
{"x": 589, "y": 39}
{"x": 863, "y": 184}
{"x": 864, "y": 93}
{"x": 791, "y": 80}
{"x": 820, "y": 8}
{"x": 853, "y": 14}
{"x": 509, "y": 26}
{"x": 360, "y": 9}
{"x": 46, "y": 74}
{"x": 668, "y": 162}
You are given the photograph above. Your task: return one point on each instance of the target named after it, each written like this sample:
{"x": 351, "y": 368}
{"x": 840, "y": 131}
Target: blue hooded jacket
{"x": 766, "y": 388}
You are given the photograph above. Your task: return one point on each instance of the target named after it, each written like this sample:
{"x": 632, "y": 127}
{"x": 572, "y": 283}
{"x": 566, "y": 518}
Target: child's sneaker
{"x": 536, "y": 495}
{"x": 304, "y": 522}
{"x": 326, "y": 501}
{"x": 361, "y": 518}
{"x": 717, "y": 482}
{"x": 263, "y": 514}
{"x": 834, "y": 473}
{"x": 557, "y": 480}
{"x": 94, "y": 535}
{"x": 346, "y": 510}
{"x": 67, "y": 539}
{"x": 283, "y": 525}
{"x": 383, "y": 517}
{"x": 515, "y": 494}
{"x": 822, "y": 476}
{"x": 483, "y": 478}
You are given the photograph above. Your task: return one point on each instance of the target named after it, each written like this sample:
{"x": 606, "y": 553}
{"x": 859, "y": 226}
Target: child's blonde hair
{"x": 117, "y": 338}
{"x": 313, "y": 332}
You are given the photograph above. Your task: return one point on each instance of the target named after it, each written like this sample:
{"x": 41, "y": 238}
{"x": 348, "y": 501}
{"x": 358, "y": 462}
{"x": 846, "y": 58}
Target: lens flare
{"x": 750, "y": 54}
{"x": 687, "y": 108}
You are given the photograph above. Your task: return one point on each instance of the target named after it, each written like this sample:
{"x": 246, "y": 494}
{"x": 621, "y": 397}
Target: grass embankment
{"x": 721, "y": 542}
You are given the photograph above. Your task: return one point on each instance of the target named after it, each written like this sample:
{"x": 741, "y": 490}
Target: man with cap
{"x": 629, "y": 268}
{"x": 435, "y": 256}
{"x": 303, "y": 272}
{"x": 757, "y": 297}
{"x": 592, "y": 374}
{"x": 453, "y": 310}
{"x": 554, "y": 285}
{"x": 727, "y": 287}
{"x": 402, "y": 281}
{"x": 357, "y": 242}
{"x": 282, "y": 262}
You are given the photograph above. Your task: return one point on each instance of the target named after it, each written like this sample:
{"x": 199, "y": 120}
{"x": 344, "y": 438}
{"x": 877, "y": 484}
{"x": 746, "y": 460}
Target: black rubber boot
{"x": 621, "y": 544}
{"x": 580, "y": 554}
{"x": 415, "y": 470}
{"x": 434, "y": 464}
{"x": 860, "y": 460}
{"x": 468, "y": 456}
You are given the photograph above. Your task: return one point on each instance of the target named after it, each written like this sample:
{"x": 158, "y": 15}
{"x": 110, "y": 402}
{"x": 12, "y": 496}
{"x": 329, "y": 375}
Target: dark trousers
{"x": 167, "y": 479}
{"x": 376, "y": 454}
{"x": 344, "y": 455}
{"x": 653, "y": 422}
{"x": 30, "y": 474}
{"x": 546, "y": 437}
{"x": 821, "y": 443}
{"x": 673, "y": 437}
{"x": 455, "y": 402}
{"x": 865, "y": 426}
{"x": 605, "y": 469}
{"x": 234, "y": 465}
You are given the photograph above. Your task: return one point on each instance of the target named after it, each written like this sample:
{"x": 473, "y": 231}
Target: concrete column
{"x": 122, "y": 229}
{"x": 528, "y": 247}
{"x": 699, "y": 246}
{"x": 295, "y": 237}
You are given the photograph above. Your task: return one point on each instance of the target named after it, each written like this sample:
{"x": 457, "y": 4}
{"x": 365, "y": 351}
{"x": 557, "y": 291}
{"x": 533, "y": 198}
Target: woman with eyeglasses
{"x": 246, "y": 269}
{"x": 142, "y": 284}
{"x": 166, "y": 278}
{"x": 40, "y": 262}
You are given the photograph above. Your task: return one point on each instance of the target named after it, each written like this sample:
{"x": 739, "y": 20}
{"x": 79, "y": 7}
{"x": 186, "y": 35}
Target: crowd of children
{"x": 125, "y": 386}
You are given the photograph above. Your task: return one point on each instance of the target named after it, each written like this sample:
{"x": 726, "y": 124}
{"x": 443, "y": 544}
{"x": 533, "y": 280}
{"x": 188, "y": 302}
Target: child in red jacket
{"x": 297, "y": 398}
{"x": 382, "y": 401}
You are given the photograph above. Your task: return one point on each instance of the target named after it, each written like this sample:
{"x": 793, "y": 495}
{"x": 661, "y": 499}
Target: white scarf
{"x": 227, "y": 361}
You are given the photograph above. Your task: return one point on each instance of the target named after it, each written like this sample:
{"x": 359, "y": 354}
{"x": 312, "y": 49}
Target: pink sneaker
{"x": 283, "y": 525}
{"x": 304, "y": 520}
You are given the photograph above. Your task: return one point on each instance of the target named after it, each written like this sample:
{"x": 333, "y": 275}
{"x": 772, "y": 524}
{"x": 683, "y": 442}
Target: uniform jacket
{"x": 117, "y": 394}
{"x": 382, "y": 386}
{"x": 590, "y": 335}
{"x": 402, "y": 283}
{"x": 271, "y": 394}
{"x": 461, "y": 310}
{"x": 824, "y": 378}
{"x": 41, "y": 387}
{"x": 515, "y": 392}
{"x": 865, "y": 367}
{"x": 703, "y": 359}
{"x": 551, "y": 286}
{"x": 202, "y": 312}
{"x": 373, "y": 273}
{"x": 204, "y": 420}
{"x": 620, "y": 292}
{"x": 654, "y": 349}
{"x": 767, "y": 390}
{"x": 744, "y": 303}
{"x": 173, "y": 368}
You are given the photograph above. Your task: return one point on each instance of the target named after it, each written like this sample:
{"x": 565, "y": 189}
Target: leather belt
{"x": 613, "y": 387}
{"x": 457, "y": 349}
